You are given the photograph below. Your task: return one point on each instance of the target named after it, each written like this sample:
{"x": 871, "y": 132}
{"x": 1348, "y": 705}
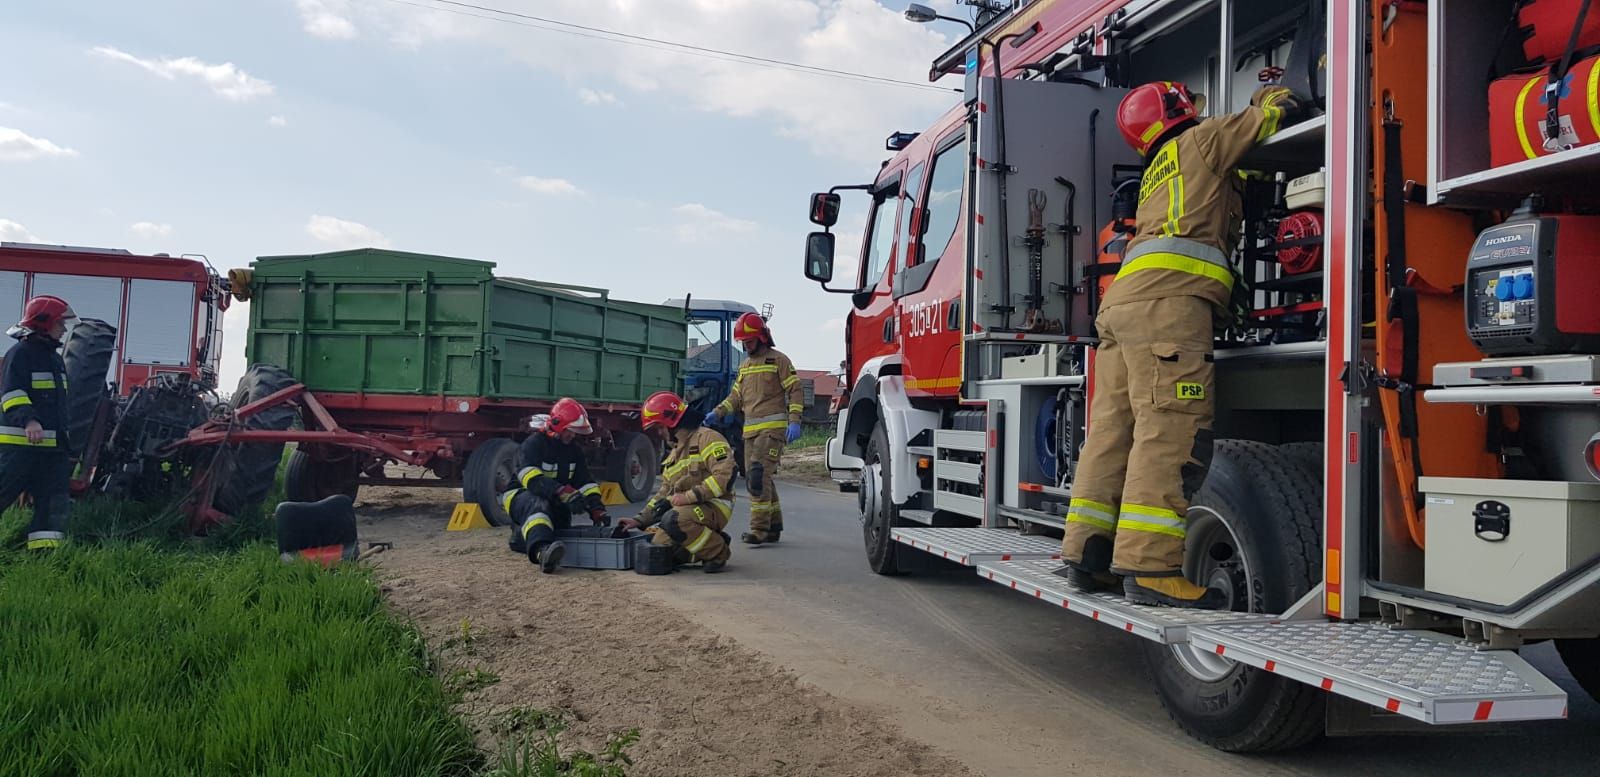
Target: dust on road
{"x": 599, "y": 649}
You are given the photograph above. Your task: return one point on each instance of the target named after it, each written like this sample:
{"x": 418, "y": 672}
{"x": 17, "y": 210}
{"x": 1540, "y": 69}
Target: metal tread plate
{"x": 1421, "y": 675}
{"x": 1165, "y": 625}
{"x": 968, "y": 547}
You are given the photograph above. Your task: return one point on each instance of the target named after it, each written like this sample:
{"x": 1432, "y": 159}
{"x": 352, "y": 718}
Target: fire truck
{"x": 1403, "y": 493}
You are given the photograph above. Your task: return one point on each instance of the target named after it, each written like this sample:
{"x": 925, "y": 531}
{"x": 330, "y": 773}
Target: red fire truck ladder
{"x": 1422, "y": 675}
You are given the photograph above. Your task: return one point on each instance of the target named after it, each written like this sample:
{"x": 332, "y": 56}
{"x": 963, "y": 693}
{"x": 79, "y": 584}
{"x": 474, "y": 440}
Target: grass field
{"x": 813, "y": 437}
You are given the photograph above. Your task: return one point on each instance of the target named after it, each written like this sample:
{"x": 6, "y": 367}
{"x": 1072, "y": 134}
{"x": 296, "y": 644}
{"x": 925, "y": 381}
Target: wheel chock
{"x": 611, "y": 494}
{"x": 467, "y": 515}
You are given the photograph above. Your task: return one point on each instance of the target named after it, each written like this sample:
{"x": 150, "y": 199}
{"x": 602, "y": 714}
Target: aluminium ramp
{"x": 1166, "y": 625}
{"x": 968, "y": 547}
{"x": 1421, "y": 675}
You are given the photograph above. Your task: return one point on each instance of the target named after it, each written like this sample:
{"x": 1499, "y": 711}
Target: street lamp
{"x": 922, "y": 14}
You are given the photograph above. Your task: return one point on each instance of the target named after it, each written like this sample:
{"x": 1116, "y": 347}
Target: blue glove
{"x": 794, "y": 432}
{"x": 712, "y": 419}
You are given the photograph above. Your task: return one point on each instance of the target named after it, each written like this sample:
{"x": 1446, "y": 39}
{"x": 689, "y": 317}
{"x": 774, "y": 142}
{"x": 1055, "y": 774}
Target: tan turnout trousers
{"x": 763, "y": 454}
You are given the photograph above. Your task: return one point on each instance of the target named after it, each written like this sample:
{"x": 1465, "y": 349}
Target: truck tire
{"x": 309, "y": 478}
{"x": 878, "y": 512}
{"x": 87, "y": 351}
{"x": 1306, "y": 455}
{"x": 254, "y": 466}
{"x": 1582, "y": 657}
{"x": 1254, "y": 530}
{"x": 632, "y": 465}
{"x": 491, "y": 471}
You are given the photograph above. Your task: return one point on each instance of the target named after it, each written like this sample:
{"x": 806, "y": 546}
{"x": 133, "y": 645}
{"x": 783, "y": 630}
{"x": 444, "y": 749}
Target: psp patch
{"x": 1191, "y": 391}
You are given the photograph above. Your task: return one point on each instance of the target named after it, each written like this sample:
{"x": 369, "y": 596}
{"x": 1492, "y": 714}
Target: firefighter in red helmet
{"x": 34, "y": 449}
{"x": 769, "y": 394}
{"x": 553, "y": 485}
{"x": 1150, "y": 442}
{"x": 690, "y": 510}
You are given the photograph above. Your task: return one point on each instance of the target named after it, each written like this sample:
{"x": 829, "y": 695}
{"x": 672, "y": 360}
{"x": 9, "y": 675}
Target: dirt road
{"x": 828, "y": 669}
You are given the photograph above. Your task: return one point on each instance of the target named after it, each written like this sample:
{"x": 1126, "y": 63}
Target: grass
{"x": 813, "y": 437}
{"x": 537, "y": 752}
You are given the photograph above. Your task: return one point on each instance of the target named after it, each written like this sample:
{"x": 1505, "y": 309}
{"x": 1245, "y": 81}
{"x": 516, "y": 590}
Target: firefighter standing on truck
{"x": 768, "y": 392}
{"x": 690, "y": 510}
{"x": 33, "y": 437}
{"x": 1150, "y": 440}
{"x": 555, "y": 486}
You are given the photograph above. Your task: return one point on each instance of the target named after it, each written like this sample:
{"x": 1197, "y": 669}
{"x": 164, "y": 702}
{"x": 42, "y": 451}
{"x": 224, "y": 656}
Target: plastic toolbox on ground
{"x": 593, "y": 547}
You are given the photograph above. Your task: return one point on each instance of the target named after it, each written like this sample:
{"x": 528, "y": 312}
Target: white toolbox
{"x": 1496, "y": 541}
{"x": 1307, "y": 191}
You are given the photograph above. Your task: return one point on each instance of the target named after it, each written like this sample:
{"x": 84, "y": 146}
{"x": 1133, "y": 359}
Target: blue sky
{"x": 253, "y": 127}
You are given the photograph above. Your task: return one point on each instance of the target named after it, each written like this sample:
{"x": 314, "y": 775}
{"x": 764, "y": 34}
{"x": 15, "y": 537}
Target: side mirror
{"x": 825, "y": 209}
{"x": 819, "y": 255}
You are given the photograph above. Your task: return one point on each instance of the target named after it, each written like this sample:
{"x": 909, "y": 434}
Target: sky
{"x": 258, "y": 127}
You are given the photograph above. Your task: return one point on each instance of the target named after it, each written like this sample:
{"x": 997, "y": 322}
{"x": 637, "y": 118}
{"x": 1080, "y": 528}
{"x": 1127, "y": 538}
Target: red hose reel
{"x": 1300, "y": 242}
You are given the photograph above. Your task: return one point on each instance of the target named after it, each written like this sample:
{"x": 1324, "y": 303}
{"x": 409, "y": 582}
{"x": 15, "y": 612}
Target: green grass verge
{"x": 133, "y": 660}
{"x": 813, "y": 437}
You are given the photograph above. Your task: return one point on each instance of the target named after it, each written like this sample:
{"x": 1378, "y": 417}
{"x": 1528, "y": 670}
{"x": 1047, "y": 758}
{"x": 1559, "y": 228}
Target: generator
{"x": 1532, "y": 283}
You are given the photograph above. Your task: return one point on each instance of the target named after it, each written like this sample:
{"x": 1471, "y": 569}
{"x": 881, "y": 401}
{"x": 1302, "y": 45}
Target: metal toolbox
{"x": 593, "y": 547}
{"x": 1495, "y": 541}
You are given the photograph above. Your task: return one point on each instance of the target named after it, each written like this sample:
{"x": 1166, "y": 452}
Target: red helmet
{"x": 568, "y": 416}
{"x": 751, "y": 326}
{"x": 1151, "y": 110}
{"x": 44, "y": 311}
{"x": 664, "y": 409}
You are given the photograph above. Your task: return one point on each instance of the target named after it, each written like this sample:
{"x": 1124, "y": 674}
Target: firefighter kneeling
{"x": 555, "y": 486}
{"x": 1150, "y": 441}
{"x": 694, "y": 503}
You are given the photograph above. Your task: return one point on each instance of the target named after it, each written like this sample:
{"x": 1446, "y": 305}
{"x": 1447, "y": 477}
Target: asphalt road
{"x": 1012, "y": 686}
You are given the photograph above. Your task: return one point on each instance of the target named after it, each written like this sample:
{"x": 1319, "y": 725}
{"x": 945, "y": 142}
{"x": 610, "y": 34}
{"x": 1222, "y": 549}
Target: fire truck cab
{"x": 1401, "y": 399}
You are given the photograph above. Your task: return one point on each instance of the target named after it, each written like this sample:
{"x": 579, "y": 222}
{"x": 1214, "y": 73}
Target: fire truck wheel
{"x": 632, "y": 465}
{"x": 254, "y": 467}
{"x": 491, "y": 471}
{"x": 1307, "y": 455}
{"x": 878, "y": 513}
{"x": 1582, "y": 657}
{"x": 87, "y": 351}
{"x": 1254, "y": 533}
{"x": 310, "y": 478}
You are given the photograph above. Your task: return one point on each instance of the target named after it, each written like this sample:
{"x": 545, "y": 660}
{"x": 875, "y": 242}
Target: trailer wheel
{"x": 491, "y": 471}
{"x": 633, "y": 464}
{"x": 1253, "y": 532}
{"x": 254, "y": 468}
{"x": 878, "y": 512}
{"x": 87, "y": 351}
{"x": 1582, "y": 657}
{"x": 310, "y": 478}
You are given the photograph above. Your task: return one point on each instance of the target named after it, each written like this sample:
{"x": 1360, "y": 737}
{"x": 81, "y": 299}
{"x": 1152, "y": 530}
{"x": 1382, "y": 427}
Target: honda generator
{"x": 1533, "y": 285}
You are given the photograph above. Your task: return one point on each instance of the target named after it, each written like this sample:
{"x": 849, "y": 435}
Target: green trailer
{"x": 438, "y": 363}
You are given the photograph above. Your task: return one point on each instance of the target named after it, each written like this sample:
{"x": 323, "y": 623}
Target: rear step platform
{"x": 1422, "y": 675}
{"x": 1166, "y": 625}
{"x": 968, "y": 547}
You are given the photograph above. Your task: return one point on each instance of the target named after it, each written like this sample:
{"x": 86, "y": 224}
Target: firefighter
{"x": 691, "y": 508}
{"x": 768, "y": 392}
{"x": 33, "y": 438}
{"x": 1150, "y": 440}
{"x": 555, "y": 486}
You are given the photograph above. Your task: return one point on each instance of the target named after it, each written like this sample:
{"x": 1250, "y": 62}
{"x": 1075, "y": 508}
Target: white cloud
{"x": 19, "y": 146}
{"x": 342, "y": 234}
{"x": 12, "y": 232}
{"x": 697, "y": 223}
{"x": 833, "y": 325}
{"x": 225, "y": 80}
{"x": 327, "y": 19}
{"x": 835, "y": 117}
{"x": 277, "y": 121}
{"x": 594, "y": 97}
{"x": 551, "y": 186}
{"x": 149, "y": 229}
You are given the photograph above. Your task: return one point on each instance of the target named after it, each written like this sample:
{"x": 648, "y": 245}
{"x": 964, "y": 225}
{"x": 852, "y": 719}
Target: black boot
{"x": 774, "y": 532}
{"x": 548, "y": 556}
{"x": 1093, "y": 572}
{"x": 713, "y": 567}
{"x": 753, "y": 538}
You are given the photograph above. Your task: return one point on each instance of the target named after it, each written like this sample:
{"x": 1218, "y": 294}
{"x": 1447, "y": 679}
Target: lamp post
{"x": 922, "y": 14}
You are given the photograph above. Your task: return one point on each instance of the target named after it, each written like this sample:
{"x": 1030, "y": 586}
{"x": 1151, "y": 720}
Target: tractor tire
{"x": 491, "y": 471}
{"x": 879, "y": 516}
{"x": 1254, "y": 531}
{"x": 88, "y": 351}
{"x": 308, "y": 478}
{"x": 633, "y": 465}
{"x": 1582, "y": 657}
{"x": 254, "y": 466}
